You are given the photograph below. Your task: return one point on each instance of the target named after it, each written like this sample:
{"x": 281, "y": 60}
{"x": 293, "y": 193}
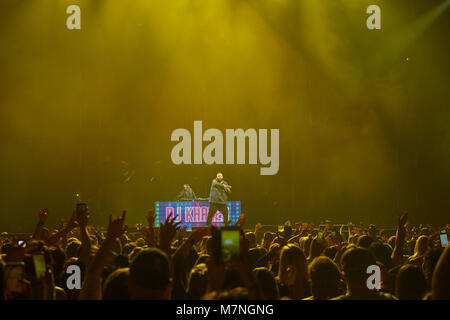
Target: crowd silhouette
{"x": 299, "y": 261}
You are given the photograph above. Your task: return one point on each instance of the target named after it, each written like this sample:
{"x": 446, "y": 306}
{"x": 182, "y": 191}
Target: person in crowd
{"x": 355, "y": 263}
{"x": 292, "y": 273}
{"x": 411, "y": 283}
{"x": 326, "y": 279}
{"x": 170, "y": 263}
{"x": 267, "y": 282}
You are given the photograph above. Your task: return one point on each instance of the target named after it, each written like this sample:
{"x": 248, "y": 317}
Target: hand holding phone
{"x": 39, "y": 265}
{"x": 230, "y": 243}
{"x": 444, "y": 238}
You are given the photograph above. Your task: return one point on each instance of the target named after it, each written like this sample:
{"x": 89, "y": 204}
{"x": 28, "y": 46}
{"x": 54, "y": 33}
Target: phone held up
{"x": 444, "y": 238}
{"x": 227, "y": 241}
{"x": 39, "y": 265}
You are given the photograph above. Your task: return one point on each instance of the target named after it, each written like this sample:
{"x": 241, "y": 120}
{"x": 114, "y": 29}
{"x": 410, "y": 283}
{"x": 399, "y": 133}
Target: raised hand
{"x": 116, "y": 226}
{"x": 167, "y": 232}
{"x": 43, "y": 215}
{"x": 402, "y": 220}
{"x": 144, "y": 231}
{"x": 73, "y": 221}
{"x": 241, "y": 220}
{"x": 62, "y": 225}
{"x": 340, "y": 251}
{"x": 397, "y": 253}
{"x": 83, "y": 219}
{"x": 433, "y": 238}
{"x": 182, "y": 231}
{"x": 105, "y": 254}
{"x": 150, "y": 218}
{"x": 258, "y": 227}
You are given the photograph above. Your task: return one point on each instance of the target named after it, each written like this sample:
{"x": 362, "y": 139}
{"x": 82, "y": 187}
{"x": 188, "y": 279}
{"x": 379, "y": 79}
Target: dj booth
{"x": 193, "y": 213}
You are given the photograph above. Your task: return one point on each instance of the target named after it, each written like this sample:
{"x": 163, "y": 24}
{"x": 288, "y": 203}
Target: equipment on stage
{"x": 194, "y": 213}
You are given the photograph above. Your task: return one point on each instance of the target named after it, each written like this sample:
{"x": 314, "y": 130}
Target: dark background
{"x": 363, "y": 114}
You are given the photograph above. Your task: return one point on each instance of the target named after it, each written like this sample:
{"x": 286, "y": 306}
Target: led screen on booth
{"x": 194, "y": 213}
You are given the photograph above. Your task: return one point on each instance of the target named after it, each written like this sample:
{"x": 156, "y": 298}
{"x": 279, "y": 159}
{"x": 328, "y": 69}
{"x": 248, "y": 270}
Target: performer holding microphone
{"x": 218, "y": 197}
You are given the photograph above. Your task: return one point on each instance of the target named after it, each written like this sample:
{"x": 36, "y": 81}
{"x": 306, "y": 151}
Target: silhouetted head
{"x": 421, "y": 246}
{"x": 355, "y": 262}
{"x": 293, "y": 269}
{"x": 325, "y": 278}
{"x": 267, "y": 283}
{"x": 150, "y": 276}
{"x": 382, "y": 252}
{"x": 365, "y": 241}
{"x": 430, "y": 260}
{"x": 410, "y": 283}
{"x": 116, "y": 285}
{"x": 198, "y": 282}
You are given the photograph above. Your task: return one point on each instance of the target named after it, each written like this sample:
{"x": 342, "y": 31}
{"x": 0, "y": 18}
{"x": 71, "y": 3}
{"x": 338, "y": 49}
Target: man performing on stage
{"x": 218, "y": 197}
{"x": 187, "y": 194}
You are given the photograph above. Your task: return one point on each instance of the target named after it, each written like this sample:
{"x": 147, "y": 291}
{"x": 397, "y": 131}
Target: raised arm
{"x": 341, "y": 232}
{"x": 167, "y": 232}
{"x": 441, "y": 277}
{"x": 244, "y": 268}
{"x": 223, "y": 186}
{"x": 54, "y": 239}
{"x": 42, "y": 218}
{"x": 85, "y": 249}
{"x": 92, "y": 286}
{"x": 150, "y": 236}
{"x": 397, "y": 253}
{"x": 196, "y": 236}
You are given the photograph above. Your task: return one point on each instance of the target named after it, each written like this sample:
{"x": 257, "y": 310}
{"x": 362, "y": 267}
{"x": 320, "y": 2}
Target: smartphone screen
{"x": 230, "y": 243}
{"x": 320, "y": 235}
{"x": 14, "y": 274}
{"x": 444, "y": 239}
{"x": 39, "y": 265}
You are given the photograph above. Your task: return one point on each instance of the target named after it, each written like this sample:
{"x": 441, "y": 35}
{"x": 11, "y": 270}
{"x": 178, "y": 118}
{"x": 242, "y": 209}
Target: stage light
{"x": 404, "y": 38}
